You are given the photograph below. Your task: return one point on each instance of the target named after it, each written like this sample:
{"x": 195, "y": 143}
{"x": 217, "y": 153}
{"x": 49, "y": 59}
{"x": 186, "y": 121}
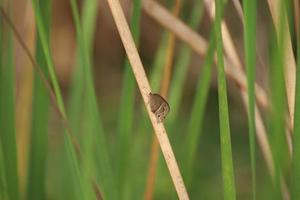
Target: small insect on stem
{"x": 159, "y": 106}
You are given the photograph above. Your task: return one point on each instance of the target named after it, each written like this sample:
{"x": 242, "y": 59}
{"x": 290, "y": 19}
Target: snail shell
{"x": 159, "y": 106}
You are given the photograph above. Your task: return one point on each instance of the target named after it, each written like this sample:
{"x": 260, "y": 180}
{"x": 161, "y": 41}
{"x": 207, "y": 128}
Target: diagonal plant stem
{"x": 238, "y": 8}
{"x": 145, "y": 89}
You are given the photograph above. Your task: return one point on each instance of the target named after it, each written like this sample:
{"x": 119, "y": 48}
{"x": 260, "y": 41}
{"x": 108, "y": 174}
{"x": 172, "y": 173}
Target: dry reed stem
{"x": 145, "y": 89}
{"x": 198, "y": 44}
{"x": 289, "y": 60}
{"x": 164, "y": 92}
{"x": 238, "y": 8}
{"x": 24, "y": 93}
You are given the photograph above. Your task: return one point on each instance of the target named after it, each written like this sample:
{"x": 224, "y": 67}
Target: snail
{"x": 159, "y": 106}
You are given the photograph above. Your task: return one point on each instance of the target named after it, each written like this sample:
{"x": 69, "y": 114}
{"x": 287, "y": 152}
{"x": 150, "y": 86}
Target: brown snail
{"x": 159, "y": 106}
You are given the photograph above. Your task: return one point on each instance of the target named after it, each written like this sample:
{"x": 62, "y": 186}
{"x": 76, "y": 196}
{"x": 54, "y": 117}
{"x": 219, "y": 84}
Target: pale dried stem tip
{"x": 289, "y": 68}
{"x": 144, "y": 86}
{"x": 238, "y": 8}
{"x": 289, "y": 60}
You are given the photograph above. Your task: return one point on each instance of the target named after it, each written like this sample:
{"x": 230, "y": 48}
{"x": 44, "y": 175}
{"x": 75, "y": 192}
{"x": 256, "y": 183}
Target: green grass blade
{"x": 277, "y": 134}
{"x": 38, "y": 141}
{"x": 72, "y": 171}
{"x": 39, "y": 131}
{"x": 126, "y": 115}
{"x": 7, "y": 113}
{"x": 46, "y": 50}
{"x": 3, "y": 194}
{"x": 90, "y": 9}
{"x": 278, "y": 140}
{"x": 226, "y": 152}
{"x": 78, "y": 120}
{"x": 196, "y": 118}
{"x": 71, "y": 160}
{"x": 94, "y": 135}
{"x": 89, "y": 17}
{"x": 159, "y": 63}
{"x": 295, "y": 192}
{"x": 249, "y": 40}
{"x": 181, "y": 67}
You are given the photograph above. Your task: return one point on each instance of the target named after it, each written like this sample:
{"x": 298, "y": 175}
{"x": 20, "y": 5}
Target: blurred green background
{"x": 106, "y": 154}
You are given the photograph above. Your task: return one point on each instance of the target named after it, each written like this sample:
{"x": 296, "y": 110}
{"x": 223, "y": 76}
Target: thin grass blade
{"x": 295, "y": 192}
{"x": 7, "y": 113}
{"x": 181, "y": 67}
{"x": 94, "y": 137}
{"x": 71, "y": 160}
{"x": 226, "y": 152}
{"x": 278, "y": 140}
{"x": 197, "y": 112}
{"x": 126, "y": 115}
{"x": 250, "y": 41}
{"x": 40, "y": 115}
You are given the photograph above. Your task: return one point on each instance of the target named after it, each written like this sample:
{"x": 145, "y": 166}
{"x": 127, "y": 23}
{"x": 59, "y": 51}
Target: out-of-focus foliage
{"x": 102, "y": 150}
